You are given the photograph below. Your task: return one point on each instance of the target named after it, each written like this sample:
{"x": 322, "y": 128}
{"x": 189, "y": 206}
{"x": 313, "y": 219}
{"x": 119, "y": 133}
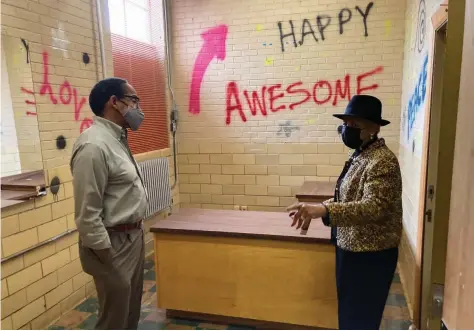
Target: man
{"x": 110, "y": 203}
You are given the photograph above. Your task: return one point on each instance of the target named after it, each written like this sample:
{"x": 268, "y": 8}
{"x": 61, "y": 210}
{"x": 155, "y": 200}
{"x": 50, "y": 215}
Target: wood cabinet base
{"x": 234, "y": 321}
{"x": 257, "y": 279}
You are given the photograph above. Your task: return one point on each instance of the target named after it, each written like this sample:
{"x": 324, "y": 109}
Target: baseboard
{"x": 405, "y": 292}
{"x": 237, "y": 321}
{"x": 407, "y": 270}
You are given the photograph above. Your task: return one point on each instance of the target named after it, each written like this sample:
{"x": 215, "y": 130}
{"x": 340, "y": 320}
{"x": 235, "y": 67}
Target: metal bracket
{"x": 438, "y": 300}
{"x": 429, "y": 215}
{"x": 443, "y": 326}
{"x": 431, "y": 191}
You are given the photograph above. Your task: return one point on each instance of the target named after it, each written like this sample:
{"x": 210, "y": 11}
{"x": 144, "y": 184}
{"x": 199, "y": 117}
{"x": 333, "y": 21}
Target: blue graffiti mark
{"x": 417, "y": 98}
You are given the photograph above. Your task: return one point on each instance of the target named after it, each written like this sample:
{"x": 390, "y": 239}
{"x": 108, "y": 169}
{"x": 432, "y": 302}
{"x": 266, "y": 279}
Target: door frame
{"x": 448, "y": 115}
{"x": 437, "y": 20}
{"x": 432, "y": 264}
{"x": 459, "y": 292}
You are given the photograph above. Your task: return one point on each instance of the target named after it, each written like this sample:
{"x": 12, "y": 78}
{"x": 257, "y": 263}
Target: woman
{"x": 365, "y": 215}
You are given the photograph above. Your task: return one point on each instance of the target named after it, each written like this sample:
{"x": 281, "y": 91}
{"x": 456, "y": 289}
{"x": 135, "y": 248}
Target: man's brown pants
{"x": 119, "y": 282}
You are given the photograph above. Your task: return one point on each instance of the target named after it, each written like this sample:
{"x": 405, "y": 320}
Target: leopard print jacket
{"x": 369, "y": 215}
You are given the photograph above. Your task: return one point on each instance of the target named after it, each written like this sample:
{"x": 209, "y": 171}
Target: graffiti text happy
{"x": 320, "y": 23}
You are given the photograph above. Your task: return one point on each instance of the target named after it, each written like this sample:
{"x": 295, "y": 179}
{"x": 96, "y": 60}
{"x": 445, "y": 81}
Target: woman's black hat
{"x": 366, "y": 107}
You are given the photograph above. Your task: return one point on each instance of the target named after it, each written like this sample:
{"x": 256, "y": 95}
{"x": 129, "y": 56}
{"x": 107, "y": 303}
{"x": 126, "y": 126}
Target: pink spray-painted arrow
{"x": 213, "y": 46}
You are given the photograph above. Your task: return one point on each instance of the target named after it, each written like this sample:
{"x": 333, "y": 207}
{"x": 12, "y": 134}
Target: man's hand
{"x": 303, "y": 213}
{"x": 104, "y": 255}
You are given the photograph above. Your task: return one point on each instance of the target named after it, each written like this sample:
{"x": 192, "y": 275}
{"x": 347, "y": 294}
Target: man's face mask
{"x": 133, "y": 115}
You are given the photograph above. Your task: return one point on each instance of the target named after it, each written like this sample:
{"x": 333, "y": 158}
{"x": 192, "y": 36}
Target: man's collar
{"x": 115, "y": 130}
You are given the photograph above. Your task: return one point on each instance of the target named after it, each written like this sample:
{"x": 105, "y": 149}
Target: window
{"x": 138, "y": 57}
{"x": 131, "y": 19}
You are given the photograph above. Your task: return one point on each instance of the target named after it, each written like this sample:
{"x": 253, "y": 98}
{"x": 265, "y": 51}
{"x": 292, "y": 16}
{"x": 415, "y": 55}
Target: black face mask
{"x": 351, "y": 137}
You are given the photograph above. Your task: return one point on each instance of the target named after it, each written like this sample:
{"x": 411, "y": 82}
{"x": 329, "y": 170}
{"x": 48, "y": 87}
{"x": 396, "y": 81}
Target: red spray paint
{"x": 67, "y": 94}
{"x": 323, "y": 92}
{"x": 29, "y": 102}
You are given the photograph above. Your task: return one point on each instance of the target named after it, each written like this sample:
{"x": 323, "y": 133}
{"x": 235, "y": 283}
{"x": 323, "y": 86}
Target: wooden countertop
{"x": 17, "y": 195}
{"x": 19, "y": 188}
{"x": 8, "y": 203}
{"x": 28, "y": 181}
{"x": 243, "y": 224}
{"x": 311, "y": 190}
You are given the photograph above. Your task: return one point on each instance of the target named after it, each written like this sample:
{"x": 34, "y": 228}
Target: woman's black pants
{"x": 363, "y": 283}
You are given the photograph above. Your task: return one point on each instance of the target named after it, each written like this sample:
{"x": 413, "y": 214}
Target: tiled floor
{"x": 84, "y": 316}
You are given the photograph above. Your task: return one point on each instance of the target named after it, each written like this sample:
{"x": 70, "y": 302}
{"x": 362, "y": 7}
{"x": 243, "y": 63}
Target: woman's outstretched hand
{"x": 302, "y": 213}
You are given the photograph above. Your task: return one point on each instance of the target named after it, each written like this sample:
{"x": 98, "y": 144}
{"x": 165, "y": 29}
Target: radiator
{"x": 156, "y": 178}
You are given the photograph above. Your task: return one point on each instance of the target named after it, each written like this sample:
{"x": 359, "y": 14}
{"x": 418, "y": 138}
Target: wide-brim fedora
{"x": 366, "y": 107}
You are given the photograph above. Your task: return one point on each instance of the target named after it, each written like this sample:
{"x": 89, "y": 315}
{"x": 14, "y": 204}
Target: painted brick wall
{"x": 10, "y": 153}
{"x": 20, "y": 78}
{"x": 233, "y": 152}
{"x": 416, "y": 81}
{"x": 40, "y": 285}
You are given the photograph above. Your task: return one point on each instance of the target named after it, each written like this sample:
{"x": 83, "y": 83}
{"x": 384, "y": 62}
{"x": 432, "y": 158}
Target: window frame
{"x": 124, "y": 3}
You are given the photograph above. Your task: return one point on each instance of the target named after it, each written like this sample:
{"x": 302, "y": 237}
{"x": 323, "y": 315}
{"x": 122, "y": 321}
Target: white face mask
{"x": 134, "y": 117}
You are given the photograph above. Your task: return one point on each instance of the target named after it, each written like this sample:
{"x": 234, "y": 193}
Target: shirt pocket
{"x": 124, "y": 173}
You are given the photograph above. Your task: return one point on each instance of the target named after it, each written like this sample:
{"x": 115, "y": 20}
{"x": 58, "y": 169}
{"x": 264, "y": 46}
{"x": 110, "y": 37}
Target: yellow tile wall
{"x": 42, "y": 284}
{"x": 262, "y": 162}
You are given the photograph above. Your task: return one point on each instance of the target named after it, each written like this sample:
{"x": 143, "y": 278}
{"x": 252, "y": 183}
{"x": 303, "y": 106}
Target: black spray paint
{"x": 322, "y": 22}
{"x": 364, "y": 15}
{"x": 322, "y": 26}
{"x": 55, "y": 185}
{"x": 60, "y": 142}
{"x": 283, "y": 36}
{"x": 85, "y": 58}
{"x": 287, "y": 128}
{"x": 421, "y": 26}
{"x": 307, "y": 29}
{"x": 27, "y": 47}
{"x": 344, "y": 18}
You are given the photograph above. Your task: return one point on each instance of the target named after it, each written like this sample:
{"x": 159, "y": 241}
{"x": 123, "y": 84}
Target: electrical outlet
{"x": 236, "y": 207}
{"x": 243, "y": 208}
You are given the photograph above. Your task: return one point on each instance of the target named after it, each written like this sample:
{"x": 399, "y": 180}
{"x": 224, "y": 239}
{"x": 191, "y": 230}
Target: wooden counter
{"x": 246, "y": 265}
{"x": 316, "y": 191}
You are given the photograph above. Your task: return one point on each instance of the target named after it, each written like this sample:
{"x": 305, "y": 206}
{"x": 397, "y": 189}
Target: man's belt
{"x": 125, "y": 227}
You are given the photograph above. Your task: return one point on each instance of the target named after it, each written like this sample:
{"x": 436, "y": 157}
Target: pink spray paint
{"x": 214, "y": 46}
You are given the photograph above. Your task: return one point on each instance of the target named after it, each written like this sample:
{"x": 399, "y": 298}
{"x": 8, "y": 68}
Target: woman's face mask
{"x": 351, "y": 136}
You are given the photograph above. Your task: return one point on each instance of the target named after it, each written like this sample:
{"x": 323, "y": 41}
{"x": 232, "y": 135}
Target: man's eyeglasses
{"x": 134, "y": 98}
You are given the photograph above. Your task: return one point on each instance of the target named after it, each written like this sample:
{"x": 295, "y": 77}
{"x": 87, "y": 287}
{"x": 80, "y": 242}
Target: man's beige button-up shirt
{"x": 108, "y": 187}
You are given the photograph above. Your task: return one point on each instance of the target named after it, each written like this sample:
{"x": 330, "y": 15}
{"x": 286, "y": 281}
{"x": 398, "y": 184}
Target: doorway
{"x": 433, "y": 264}
{"x": 438, "y": 155}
